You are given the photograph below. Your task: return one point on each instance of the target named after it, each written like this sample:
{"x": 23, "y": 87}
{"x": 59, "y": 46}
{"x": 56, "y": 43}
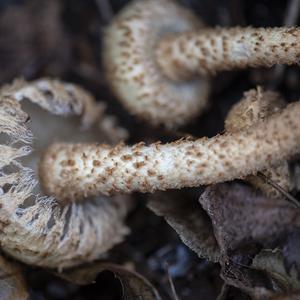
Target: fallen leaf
{"x": 253, "y": 282}
{"x": 245, "y": 222}
{"x": 184, "y": 214}
{"x": 134, "y": 285}
{"x": 272, "y": 262}
{"x": 239, "y": 214}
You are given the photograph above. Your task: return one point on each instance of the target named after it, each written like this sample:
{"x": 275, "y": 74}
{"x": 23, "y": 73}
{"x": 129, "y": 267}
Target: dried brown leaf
{"x": 272, "y": 262}
{"x": 239, "y": 213}
{"x": 244, "y": 222}
{"x": 188, "y": 219}
{"x": 253, "y": 282}
{"x": 134, "y": 285}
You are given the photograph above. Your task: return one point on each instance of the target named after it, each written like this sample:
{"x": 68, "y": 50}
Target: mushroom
{"x": 12, "y": 283}
{"x": 95, "y": 168}
{"x": 159, "y": 58}
{"x": 259, "y": 104}
{"x": 48, "y": 231}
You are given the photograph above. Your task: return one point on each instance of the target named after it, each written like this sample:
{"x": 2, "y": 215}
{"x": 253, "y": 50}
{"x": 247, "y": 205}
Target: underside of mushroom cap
{"x": 36, "y": 229}
{"x": 134, "y": 75}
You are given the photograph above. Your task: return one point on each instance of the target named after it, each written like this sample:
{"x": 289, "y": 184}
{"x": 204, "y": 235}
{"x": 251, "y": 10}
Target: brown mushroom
{"x": 37, "y": 229}
{"x": 159, "y": 58}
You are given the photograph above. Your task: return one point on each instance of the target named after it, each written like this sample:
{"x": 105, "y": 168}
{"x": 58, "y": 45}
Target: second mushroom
{"x": 159, "y": 58}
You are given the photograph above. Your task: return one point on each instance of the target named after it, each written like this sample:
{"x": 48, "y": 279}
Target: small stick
{"x": 276, "y": 186}
{"x": 171, "y": 282}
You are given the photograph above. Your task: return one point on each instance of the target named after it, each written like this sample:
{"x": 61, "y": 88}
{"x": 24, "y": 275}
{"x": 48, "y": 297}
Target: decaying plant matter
{"x": 43, "y": 230}
{"x": 159, "y": 58}
{"x": 259, "y": 104}
{"x": 257, "y": 236}
{"x": 184, "y": 163}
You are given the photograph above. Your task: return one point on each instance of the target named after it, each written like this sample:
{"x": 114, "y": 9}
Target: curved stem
{"x": 74, "y": 171}
{"x": 211, "y": 50}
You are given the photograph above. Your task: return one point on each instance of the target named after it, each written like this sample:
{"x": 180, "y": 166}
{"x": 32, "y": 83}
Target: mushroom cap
{"x": 41, "y": 230}
{"x": 133, "y": 73}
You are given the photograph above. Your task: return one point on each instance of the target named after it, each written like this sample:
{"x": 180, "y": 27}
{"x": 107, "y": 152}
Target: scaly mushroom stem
{"x": 158, "y": 58}
{"x": 80, "y": 170}
{"x": 208, "y": 51}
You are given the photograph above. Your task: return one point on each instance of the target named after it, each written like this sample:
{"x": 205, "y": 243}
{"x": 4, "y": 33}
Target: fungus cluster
{"x": 42, "y": 230}
{"x": 159, "y": 58}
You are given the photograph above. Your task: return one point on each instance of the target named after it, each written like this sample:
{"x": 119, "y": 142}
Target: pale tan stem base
{"x": 209, "y": 51}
